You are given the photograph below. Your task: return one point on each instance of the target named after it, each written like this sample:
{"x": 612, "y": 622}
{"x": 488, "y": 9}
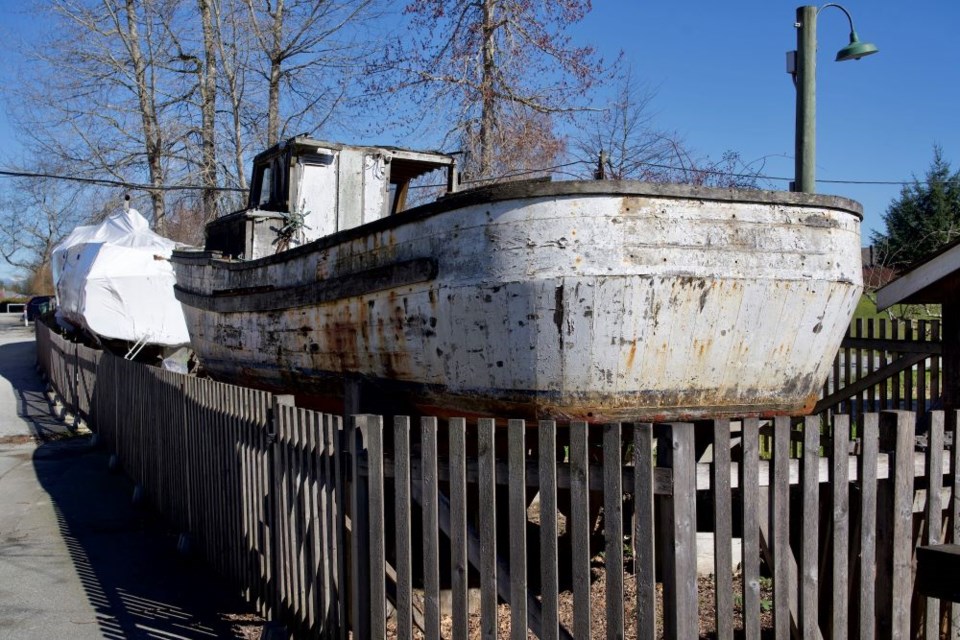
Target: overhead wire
{"x": 107, "y": 182}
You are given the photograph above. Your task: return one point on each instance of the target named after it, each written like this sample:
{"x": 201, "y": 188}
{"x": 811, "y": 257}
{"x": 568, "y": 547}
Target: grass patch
{"x": 867, "y": 310}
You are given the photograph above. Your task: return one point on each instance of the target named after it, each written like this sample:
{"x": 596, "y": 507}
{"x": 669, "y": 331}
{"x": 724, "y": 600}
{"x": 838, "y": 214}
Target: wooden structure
{"x": 935, "y": 281}
{"x": 321, "y": 524}
{"x": 886, "y": 364}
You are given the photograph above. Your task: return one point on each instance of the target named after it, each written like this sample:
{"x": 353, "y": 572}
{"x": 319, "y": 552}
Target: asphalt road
{"x": 77, "y": 560}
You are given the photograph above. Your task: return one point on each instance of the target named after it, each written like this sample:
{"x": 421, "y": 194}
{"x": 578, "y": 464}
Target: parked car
{"x": 39, "y": 305}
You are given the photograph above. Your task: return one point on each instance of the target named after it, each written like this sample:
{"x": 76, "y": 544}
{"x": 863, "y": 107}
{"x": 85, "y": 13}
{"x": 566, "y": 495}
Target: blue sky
{"x": 720, "y": 80}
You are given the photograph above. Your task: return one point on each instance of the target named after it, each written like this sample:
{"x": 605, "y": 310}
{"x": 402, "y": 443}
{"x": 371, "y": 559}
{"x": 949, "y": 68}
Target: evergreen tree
{"x": 924, "y": 218}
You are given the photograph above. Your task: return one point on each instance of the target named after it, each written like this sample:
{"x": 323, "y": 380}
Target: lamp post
{"x": 802, "y": 64}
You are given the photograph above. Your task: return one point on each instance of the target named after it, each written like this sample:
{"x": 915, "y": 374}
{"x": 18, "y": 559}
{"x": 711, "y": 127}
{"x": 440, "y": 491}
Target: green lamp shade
{"x": 856, "y": 49}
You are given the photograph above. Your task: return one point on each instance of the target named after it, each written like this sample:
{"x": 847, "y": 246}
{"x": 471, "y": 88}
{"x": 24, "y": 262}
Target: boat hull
{"x": 590, "y": 301}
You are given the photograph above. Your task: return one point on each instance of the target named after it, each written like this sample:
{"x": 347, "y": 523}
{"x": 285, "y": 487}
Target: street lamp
{"x": 802, "y": 64}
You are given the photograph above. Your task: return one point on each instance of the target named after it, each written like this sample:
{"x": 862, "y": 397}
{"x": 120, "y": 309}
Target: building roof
{"x": 933, "y": 281}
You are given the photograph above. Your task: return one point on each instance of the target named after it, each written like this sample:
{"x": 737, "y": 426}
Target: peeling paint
{"x": 649, "y": 308}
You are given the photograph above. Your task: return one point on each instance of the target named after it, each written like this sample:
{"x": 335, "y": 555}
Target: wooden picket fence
{"x": 252, "y": 484}
{"x": 367, "y": 526}
{"x": 886, "y": 364}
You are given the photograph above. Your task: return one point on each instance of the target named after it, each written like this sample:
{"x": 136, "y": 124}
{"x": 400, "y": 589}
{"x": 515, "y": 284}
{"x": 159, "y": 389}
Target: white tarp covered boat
{"x": 594, "y": 300}
{"x": 115, "y": 280}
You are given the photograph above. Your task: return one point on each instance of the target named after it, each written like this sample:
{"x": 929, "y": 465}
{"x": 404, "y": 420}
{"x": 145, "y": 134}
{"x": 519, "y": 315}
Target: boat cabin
{"x": 305, "y": 189}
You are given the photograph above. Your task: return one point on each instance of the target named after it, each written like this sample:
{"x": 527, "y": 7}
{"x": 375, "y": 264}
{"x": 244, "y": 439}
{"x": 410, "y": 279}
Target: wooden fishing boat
{"x": 593, "y": 300}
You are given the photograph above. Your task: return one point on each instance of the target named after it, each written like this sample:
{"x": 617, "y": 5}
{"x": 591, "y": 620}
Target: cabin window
{"x": 265, "y": 183}
{"x": 269, "y": 189}
{"x": 398, "y": 196}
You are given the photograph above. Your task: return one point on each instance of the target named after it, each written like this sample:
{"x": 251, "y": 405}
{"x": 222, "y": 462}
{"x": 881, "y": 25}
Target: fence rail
{"x": 336, "y": 527}
{"x": 886, "y": 364}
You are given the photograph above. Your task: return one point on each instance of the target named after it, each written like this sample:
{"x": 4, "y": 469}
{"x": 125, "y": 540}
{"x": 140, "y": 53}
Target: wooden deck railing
{"x": 885, "y": 364}
{"x": 322, "y": 523}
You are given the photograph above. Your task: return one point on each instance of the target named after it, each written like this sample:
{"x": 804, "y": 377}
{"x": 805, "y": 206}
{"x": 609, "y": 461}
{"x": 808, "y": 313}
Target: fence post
{"x": 360, "y": 528}
{"x": 934, "y": 509}
{"x": 840, "y": 518}
{"x": 750, "y": 556}
{"x": 869, "y": 558}
{"x": 953, "y": 533}
{"x": 675, "y": 449}
{"x": 273, "y": 513}
{"x": 376, "y": 533}
{"x": 644, "y": 531}
{"x": 896, "y": 515}
{"x": 579, "y": 524}
{"x": 722, "y": 526}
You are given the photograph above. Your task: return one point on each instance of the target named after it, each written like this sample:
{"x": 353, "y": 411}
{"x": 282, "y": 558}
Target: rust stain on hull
{"x": 649, "y": 309}
{"x": 390, "y": 397}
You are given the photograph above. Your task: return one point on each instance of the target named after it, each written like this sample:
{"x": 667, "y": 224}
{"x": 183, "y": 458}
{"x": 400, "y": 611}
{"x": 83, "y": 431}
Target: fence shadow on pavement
{"x": 125, "y": 556}
{"x": 17, "y": 367}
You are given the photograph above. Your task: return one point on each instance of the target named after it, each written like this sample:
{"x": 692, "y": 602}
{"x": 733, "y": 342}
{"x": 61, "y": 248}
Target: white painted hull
{"x": 595, "y": 301}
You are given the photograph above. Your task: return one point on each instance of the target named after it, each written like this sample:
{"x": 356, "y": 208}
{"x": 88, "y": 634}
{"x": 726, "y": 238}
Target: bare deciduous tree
{"x": 495, "y": 68}
{"x": 234, "y": 54}
{"x": 34, "y": 217}
{"x": 621, "y": 141}
{"x": 130, "y": 89}
{"x": 207, "y": 84}
{"x": 102, "y": 93}
{"x": 305, "y": 54}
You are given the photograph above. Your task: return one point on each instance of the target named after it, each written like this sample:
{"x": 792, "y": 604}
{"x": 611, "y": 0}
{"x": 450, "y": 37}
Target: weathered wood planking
{"x": 840, "y": 520}
{"x": 613, "y": 530}
{"x": 779, "y": 517}
{"x": 402, "y": 519}
{"x": 954, "y": 509}
{"x": 488, "y": 531}
{"x": 516, "y": 444}
{"x": 378, "y": 536}
{"x": 749, "y": 438}
{"x": 810, "y": 513}
{"x": 285, "y": 540}
{"x": 662, "y": 477}
{"x": 882, "y": 464}
{"x": 874, "y": 365}
{"x": 675, "y": 449}
{"x": 868, "y": 524}
{"x": 643, "y": 538}
{"x": 542, "y": 283}
{"x": 722, "y": 530}
{"x": 579, "y": 523}
{"x": 431, "y": 527}
{"x": 934, "y": 513}
{"x": 458, "y": 526}
{"x": 359, "y": 570}
{"x": 549, "y": 579}
{"x": 896, "y": 435}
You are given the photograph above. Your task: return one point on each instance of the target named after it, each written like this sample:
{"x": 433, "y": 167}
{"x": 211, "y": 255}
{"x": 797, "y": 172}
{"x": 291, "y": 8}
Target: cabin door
{"x": 317, "y": 198}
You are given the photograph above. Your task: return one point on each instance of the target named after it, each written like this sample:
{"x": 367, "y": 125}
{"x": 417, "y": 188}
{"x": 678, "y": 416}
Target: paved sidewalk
{"x": 77, "y": 561}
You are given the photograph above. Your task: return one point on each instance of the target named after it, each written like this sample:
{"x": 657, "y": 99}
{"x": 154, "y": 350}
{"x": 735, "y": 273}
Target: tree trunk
{"x": 208, "y": 102}
{"x": 238, "y": 160}
{"x": 151, "y": 132}
{"x": 232, "y": 71}
{"x": 276, "y": 61}
{"x": 487, "y": 109}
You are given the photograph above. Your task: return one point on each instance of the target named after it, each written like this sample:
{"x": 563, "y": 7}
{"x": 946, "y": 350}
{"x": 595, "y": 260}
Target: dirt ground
{"x": 598, "y": 628}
